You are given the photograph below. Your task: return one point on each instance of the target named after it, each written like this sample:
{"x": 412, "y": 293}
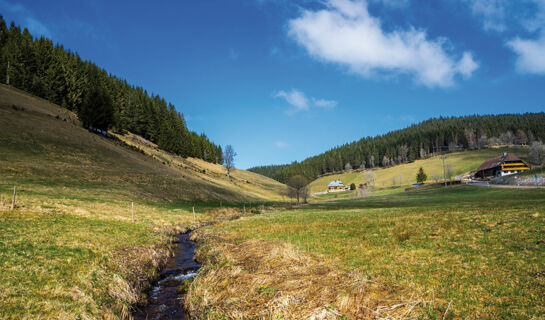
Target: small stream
{"x": 164, "y": 302}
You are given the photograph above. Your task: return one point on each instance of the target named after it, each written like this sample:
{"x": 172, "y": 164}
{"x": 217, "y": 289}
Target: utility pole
{"x": 7, "y": 75}
{"x": 13, "y": 199}
{"x": 444, "y": 170}
{"x": 443, "y": 156}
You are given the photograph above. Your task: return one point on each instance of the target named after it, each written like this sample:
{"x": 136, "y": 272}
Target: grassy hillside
{"x": 460, "y": 252}
{"x": 395, "y": 179}
{"x": 70, "y": 248}
{"x": 241, "y": 181}
{"x": 38, "y": 145}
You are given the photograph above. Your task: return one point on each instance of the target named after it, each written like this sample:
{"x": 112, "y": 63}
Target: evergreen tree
{"x": 421, "y": 176}
{"x": 96, "y": 110}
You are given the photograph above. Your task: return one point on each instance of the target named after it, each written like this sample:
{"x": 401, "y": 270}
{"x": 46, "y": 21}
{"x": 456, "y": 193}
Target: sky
{"x": 282, "y": 80}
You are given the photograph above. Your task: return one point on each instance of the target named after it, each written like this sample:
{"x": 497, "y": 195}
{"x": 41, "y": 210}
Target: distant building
{"x": 336, "y": 185}
{"x": 500, "y": 166}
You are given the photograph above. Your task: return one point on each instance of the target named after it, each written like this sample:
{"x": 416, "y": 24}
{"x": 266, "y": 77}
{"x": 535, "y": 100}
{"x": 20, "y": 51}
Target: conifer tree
{"x": 421, "y": 176}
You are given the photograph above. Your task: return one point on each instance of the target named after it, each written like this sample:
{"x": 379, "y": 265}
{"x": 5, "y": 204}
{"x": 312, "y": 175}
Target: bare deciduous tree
{"x": 423, "y": 153}
{"x": 298, "y": 185}
{"x": 507, "y": 137}
{"x": 369, "y": 178}
{"x": 449, "y": 171}
{"x": 537, "y": 154}
{"x": 521, "y": 137}
{"x": 229, "y": 158}
{"x": 403, "y": 155}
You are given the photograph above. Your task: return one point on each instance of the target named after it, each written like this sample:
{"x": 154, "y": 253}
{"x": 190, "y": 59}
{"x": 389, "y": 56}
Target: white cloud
{"x": 492, "y": 12}
{"x": 296, "y": 99}
{"x": 299, "y": 101}
{"x": 345, "y": 33}
{"x": 531, "y": 54}
{"x": 466, "y": 66}
{"x": 322, "y": 103}
{"x": 281, "y": 144}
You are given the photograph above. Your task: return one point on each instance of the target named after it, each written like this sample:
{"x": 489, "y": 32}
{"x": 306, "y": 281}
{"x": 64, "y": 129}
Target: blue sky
{"x": 283, "y": 80}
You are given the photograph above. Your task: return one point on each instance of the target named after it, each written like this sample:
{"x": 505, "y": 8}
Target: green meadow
{"x": 464, "y": 252}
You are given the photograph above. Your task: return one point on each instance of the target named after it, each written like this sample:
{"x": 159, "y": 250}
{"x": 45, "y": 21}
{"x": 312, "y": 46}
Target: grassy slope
{"x": 461, "y": 163}
{"x": 241, "y": 181}
{"x": 481, "y": 250}
{"x": 70, "y": 249}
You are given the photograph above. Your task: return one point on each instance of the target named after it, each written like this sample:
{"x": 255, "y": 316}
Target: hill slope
{"x": 398, "y": 177}
{"x": 72, "y": 248}
{"x": 41, "y": 143}
{"x": 418, "y": 142}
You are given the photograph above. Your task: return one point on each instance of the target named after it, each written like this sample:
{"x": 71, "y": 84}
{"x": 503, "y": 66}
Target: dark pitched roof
{"x": 497, "y": 161}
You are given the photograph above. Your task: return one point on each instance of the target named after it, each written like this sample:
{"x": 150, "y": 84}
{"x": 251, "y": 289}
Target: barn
{"x": 500, "y": 166}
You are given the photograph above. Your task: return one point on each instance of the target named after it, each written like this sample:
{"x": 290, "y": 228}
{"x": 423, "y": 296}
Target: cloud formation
{"x": 492, "y": 12}
{"x": 530, "y": 54}
{"x": 299, "y": 101}
{"x": 346, "y": 34}
{"x": 322, "y": 103}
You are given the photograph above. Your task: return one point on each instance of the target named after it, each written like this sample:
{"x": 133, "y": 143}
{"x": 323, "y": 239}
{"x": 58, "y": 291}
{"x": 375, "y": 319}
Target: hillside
{"x": 42, "y": 144}
{"x": 396, "y": 178}
{"x": 100, "y": 99}
{"x": 242, "y": 181}
{"x": 418, "y": 141}
{"x": 72, "y": 248}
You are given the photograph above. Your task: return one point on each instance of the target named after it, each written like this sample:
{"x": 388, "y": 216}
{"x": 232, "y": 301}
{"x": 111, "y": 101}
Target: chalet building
{"x": 500, "y": 166}
{"x": 336, "y": 185}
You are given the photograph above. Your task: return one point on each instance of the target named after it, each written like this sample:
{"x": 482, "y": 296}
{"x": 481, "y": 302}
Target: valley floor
{"x": 456, "y": 252}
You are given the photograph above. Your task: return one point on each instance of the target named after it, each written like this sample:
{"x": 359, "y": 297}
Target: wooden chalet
{"x": 500, "y": 166}
{"x": 336, "y": 185}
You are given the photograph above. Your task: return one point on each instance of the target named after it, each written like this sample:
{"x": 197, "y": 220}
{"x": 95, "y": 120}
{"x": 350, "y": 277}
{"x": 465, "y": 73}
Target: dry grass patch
{"x": 260, "y": 279}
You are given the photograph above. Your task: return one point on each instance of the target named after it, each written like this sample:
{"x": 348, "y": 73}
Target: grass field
{"x": 397, "y": 178}
{"x": 456, "y": 252}
{"x": 70, "y": 248}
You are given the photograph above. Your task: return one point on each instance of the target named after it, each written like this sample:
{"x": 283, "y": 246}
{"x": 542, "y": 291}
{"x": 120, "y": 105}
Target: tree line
{"x": 419, "y": 141}
{"x": 101, "y": 100}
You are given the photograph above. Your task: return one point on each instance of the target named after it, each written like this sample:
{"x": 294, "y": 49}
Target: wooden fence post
{"x": 13, "y": 200}
{"x": 132, "y": 211}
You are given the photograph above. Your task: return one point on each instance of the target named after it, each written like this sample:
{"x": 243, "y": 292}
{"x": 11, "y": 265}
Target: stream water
{"x": 164, "y": 302}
